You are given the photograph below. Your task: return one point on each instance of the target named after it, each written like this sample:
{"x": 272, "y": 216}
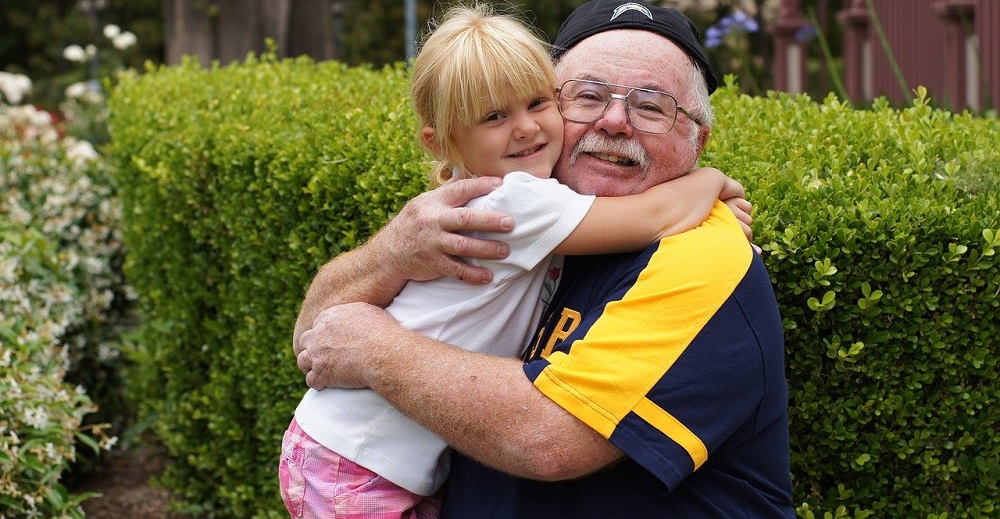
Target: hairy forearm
{"x": 351, "y": 277}
{"x": 485, "y": 407}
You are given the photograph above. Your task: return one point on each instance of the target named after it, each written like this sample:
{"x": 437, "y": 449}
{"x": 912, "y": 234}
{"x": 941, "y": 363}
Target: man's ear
{"x": 428, "y": 137}
{"x": 702, "y": 138}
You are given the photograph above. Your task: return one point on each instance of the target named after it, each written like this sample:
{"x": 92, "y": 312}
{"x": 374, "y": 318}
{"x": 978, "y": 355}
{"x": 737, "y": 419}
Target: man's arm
{"x": 482, "y": 405}
{"x": 420, "y": 244}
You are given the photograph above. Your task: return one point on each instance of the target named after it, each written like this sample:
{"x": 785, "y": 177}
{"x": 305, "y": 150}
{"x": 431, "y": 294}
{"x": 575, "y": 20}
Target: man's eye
{"x": 650, "y": 108}
{"x": 590, "y": 95}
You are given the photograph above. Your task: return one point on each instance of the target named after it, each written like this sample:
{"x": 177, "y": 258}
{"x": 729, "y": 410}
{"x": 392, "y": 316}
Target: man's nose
{"x": 615, "y": 120}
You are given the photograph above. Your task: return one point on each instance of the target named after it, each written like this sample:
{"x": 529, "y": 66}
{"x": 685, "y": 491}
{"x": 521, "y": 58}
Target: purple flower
{"x": 713, "y": 37}
{"x": 737, "y": 20}
{"x": 805, "y": 33}
{"x": 744, "y": 21}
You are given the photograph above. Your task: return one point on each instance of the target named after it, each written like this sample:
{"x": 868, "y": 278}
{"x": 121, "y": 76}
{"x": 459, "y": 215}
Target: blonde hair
{"x": 473, "y": 62}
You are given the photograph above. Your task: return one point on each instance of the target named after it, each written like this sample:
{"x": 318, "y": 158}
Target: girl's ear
{"x": 428, "y": 136}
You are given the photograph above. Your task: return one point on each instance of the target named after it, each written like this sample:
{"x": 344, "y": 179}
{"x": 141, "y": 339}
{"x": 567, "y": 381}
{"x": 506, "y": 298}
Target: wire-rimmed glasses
{"x": 648, "y": 111}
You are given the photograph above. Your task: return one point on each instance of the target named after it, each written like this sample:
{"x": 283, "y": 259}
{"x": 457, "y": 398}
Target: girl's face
{"x": 525, "y": 135}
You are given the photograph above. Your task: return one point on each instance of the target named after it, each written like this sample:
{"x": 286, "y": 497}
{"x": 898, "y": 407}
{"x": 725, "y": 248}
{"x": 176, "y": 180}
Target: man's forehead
{"x": 627, "y": 57}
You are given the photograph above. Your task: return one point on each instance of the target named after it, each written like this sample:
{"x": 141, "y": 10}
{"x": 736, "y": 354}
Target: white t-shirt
{"x": 498, "y": 318}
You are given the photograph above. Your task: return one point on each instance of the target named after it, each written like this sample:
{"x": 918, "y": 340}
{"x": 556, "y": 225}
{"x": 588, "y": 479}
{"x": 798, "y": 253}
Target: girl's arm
{"x": 630, "y": 223}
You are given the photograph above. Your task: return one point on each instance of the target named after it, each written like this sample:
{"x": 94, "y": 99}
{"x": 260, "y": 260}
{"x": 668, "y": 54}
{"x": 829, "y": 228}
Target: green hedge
{"x": 879, "y": 227}
{"x": 881, "y": 230}
{"x": 239, "y": 183}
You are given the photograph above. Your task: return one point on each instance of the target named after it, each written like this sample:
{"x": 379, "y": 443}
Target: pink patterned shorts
{"x": 317, "y": 483}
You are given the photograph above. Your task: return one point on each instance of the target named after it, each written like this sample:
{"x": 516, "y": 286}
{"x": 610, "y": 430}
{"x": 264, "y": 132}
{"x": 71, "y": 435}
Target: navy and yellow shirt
{"x": 676, "y": 355}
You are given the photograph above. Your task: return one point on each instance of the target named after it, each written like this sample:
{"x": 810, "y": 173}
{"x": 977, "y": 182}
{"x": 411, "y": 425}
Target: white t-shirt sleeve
{"x": 545, "y": 212}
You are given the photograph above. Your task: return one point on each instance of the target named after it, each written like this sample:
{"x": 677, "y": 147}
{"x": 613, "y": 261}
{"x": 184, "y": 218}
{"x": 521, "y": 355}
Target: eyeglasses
{"x": 648, "y": 111}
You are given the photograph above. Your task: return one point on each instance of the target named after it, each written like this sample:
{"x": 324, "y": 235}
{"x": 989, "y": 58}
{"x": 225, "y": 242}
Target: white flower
{"x": 8, "y": 274}
{"x": 81, "y": 151}
{"x": 109, "y": 443}
{"x": 40, "y": 117}
{"x": 36, "y": 417}
{"x": 111, "y": 31}
{"x": 91, "y": 50}
{"x": 14, "y": 86}
{"x": 76, "y": 90}
{"x": 124, "y": 40}
{"x": 75, "y": 53}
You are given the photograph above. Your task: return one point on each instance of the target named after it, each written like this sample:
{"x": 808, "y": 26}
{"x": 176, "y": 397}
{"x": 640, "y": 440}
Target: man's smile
{"x": 624, "y": 161}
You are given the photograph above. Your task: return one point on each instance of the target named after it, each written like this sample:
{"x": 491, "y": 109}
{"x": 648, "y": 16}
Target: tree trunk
{"x": 227, "y": 30}
{"x": 311, "y": 33}
{"x": 186, "y": 32}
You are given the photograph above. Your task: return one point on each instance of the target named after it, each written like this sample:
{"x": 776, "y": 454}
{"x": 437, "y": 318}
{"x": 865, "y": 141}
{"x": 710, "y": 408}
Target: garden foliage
{"x": 880, "y": 228}
{"x": 62, "y": 301}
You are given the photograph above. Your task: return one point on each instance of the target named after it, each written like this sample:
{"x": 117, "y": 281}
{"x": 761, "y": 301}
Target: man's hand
{"x": 420, "y": 243}
{"x": 333, "y": 350}
{"x": 423, "y": 240}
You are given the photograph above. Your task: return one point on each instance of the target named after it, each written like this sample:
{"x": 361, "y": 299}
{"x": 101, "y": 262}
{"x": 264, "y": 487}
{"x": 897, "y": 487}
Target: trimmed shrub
{"x": 880, "y": 228}
{"x": 240, "y": 182}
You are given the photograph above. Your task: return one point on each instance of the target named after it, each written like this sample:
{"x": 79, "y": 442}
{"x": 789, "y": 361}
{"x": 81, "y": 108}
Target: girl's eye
{"x": 540, "y": 102}
{"x": 493, "y": 116}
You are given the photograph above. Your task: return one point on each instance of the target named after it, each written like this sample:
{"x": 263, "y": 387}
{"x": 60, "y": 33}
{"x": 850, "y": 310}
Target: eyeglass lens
{"x": 648, "y": 110}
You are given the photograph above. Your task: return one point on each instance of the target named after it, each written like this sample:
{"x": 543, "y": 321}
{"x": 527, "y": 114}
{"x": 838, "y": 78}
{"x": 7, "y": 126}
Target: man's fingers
{"x": 304, "y": 361}
{"x": 465, "y": 219}
{"x": 464, "y": 272}
{"x": 313, "y": 381}
{"x": 464, "y": 246}
{"x": 459, "y": 193}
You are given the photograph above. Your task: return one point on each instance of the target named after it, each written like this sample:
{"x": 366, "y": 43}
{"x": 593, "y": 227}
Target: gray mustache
{"x": 627, "y": 148}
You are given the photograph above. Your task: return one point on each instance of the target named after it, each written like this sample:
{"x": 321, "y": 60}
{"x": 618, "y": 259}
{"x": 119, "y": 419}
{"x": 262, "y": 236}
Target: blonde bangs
{"x": 487, "y": 73}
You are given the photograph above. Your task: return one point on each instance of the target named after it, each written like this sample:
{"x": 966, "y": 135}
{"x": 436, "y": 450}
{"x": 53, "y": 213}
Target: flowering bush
{"x": 61, "y": 298}
{"x": 85, "y": 106}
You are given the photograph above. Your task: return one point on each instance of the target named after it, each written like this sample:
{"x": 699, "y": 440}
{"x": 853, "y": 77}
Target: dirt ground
{"x": 123, "y": 477}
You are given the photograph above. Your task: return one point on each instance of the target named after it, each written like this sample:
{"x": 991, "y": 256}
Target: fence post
{"x": 962, "y": 75}
{"x": 857, "y": 51}
{"x": 789, "y": 52}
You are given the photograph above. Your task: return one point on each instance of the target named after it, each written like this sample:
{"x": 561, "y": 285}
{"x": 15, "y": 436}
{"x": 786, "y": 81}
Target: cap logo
{"x": 631, "y": 6}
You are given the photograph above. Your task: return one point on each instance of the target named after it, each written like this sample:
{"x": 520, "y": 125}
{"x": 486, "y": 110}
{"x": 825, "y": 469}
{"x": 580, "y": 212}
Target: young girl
{"x": 484, "y": 89}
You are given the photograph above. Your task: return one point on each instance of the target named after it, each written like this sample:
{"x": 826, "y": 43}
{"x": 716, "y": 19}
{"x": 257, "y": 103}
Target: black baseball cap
{"x": 598, "y": 16}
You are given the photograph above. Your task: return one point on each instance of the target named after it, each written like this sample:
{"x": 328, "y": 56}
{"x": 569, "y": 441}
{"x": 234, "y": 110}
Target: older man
{"x": 656, "y": 385}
